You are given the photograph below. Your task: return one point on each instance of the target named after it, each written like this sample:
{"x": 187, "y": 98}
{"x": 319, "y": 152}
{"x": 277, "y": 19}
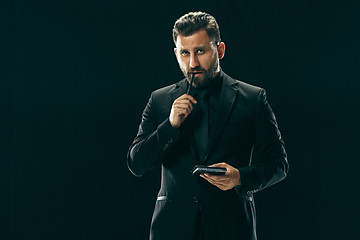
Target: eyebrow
{"x": 196, "y": 48}
{"x": 201, "y": 47}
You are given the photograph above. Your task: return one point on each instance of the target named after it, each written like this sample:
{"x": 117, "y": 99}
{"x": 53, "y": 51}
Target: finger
{"x": 182, "y": 112}
{"x": 217, "y": 184}
{"x": 183, "y": 100}
{"x": 182, "y": 108}
{"x": 217, "y": 178}
{"x": 222, "y": 186}
{"x": 188, "y": 97}
{"x": 183, "y": 105}
{"x": 191, "y": 98}
{"x": 219, "y": 165}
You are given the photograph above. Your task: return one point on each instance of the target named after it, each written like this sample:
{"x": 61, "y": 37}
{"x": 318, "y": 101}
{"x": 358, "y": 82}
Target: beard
{"x": 205, "y": 78}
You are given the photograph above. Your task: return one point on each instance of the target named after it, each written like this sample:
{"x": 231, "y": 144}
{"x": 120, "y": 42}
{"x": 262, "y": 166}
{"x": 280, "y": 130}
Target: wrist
{"x": 174, "y": 125}
{"x": 238, "y": 179}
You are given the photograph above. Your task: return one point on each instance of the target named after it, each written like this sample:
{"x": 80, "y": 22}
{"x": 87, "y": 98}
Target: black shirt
{"x": 212, "y": 94}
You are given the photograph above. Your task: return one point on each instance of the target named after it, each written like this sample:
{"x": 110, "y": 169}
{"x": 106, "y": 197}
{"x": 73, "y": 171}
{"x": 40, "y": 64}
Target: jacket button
{"x": 165, "y": 147}
{"x": 196, "y": 200}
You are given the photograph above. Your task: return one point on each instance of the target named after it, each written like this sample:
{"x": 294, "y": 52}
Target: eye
{"x": 200, "y": 51}
{"x": 184, "y": 53}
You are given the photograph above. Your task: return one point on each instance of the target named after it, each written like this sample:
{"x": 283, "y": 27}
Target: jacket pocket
{"x": 162, "y": 198}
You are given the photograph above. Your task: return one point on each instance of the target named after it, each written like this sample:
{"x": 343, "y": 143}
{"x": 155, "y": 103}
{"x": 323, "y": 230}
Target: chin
{"x": 203, "y": 83}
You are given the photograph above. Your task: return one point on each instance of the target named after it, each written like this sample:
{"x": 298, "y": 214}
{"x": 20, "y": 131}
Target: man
{"x": 222, "y": 122}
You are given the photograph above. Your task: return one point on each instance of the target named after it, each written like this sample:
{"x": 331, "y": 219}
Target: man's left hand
{"x": 225, "y": 182}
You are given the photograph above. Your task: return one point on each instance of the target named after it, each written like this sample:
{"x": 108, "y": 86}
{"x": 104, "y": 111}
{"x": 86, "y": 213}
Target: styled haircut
{"x": 192, "y": 22}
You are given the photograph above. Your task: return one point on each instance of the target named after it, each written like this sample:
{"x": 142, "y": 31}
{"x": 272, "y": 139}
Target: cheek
{"x": 182, "y": 63}
{"x": 206, "y": 61}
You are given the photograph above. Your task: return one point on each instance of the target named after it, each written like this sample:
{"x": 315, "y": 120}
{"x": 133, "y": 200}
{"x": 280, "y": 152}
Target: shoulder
{"x": 164, "y": 90}
{"x": 248, "y": 88}
{"x": 244, "y": 89}
{"x": 168, "y": 90}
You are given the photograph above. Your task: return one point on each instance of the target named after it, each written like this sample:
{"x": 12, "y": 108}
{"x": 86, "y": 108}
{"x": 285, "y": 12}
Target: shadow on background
{"x": 77, "y": 74}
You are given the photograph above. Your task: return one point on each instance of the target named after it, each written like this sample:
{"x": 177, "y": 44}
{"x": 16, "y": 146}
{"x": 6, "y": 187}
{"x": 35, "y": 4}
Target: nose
{"x": 194, "y": 61}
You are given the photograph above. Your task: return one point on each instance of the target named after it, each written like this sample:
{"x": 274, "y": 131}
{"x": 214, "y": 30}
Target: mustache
{"x": 195, "y": 70}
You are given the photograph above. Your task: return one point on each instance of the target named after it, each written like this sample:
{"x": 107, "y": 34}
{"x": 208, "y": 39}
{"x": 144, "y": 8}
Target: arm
{"x": 154, "y": 139}
{"x": 269, "y": 163}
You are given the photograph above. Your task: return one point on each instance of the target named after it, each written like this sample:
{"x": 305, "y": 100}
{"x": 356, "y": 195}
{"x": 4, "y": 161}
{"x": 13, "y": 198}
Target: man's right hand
{"x": 180, "y": 110}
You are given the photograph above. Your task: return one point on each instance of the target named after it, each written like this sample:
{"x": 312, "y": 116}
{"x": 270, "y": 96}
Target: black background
{"x": 76, "y": 75}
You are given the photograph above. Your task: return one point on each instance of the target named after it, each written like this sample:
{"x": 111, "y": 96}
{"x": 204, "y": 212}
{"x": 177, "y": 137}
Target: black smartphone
{"x": 199, "y": 169}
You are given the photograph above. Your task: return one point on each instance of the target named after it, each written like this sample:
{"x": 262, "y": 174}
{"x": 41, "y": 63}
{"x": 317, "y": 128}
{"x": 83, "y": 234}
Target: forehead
{"x": 199, "y": 38}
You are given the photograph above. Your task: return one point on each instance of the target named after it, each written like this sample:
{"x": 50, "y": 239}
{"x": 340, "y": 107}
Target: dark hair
{"x": 195, "y": 21}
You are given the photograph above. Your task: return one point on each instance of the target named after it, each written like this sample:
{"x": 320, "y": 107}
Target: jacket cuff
{"x": 246, "y": 187}
{"x": 167, "y": 134}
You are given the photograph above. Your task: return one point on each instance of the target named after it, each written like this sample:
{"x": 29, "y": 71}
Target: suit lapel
{"x": 180, "y": 89}
{"x": 227, "y": 99}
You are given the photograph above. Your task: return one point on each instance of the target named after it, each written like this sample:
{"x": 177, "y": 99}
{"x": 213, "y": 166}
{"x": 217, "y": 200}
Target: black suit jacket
{"x": 246, "y": 136}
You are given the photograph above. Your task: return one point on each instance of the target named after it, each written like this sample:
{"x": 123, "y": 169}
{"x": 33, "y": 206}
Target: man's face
{"x": 197, "y": 54}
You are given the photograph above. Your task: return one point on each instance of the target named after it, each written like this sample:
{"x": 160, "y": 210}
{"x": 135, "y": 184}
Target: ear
{"x": 175, "y": 51}
{"x": 221, "y": 50}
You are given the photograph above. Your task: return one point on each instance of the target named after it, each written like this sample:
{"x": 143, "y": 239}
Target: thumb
{"x": 219, "y": 165}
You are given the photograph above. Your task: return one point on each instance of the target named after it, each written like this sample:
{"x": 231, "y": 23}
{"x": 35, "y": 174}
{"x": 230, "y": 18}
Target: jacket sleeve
{"x": 269, "y": 163}
{"x": 152, "y": 141}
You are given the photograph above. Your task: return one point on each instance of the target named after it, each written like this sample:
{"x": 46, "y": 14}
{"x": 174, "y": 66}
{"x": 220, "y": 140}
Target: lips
{"x": 195, "y": 73}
